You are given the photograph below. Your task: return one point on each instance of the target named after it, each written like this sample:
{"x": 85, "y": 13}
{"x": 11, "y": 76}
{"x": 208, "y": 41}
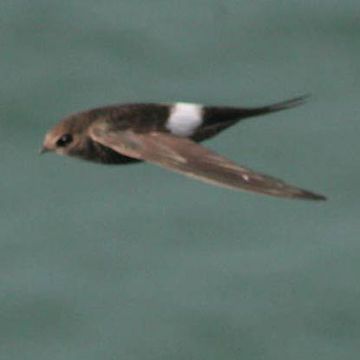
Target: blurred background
{"x": 135, "y": 262}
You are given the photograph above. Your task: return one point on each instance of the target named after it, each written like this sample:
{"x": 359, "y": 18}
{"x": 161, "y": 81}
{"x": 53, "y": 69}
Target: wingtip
{"x": 307, "y": 195}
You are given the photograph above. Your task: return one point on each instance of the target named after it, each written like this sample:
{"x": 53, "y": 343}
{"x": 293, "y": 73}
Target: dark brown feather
{"x": 219, "y": 118}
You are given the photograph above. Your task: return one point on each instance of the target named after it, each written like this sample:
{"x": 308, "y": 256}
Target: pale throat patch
{"x": 184, "y": 119}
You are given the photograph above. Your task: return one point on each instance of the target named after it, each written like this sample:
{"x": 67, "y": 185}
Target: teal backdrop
{"x": 135, "y": 262}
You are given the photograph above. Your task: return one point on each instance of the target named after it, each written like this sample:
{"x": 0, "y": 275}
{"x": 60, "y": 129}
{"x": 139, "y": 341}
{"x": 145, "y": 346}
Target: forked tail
{"x": 283, "y": 105}
{"x": 217, "y": 114}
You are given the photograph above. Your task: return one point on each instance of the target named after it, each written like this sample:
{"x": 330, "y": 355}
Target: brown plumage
{"x": 167, "y": 135}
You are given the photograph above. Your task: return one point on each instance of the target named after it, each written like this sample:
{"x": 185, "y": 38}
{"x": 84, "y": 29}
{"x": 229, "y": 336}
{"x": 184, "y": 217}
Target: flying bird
{"x": 168, "y": 135}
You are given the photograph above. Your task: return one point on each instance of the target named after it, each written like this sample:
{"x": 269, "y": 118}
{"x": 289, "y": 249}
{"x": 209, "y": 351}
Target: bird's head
{"x": 71, "y": 137}
{"x": 68, "y": 137}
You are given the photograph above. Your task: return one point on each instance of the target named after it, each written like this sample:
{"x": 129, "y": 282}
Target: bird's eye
{"x": 64, "y": 140}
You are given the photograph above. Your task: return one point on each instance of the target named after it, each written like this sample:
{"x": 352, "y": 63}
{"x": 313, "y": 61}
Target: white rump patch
{"x": 184, "y": 118}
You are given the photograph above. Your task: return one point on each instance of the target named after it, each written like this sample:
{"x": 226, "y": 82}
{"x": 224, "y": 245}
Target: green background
{"x": 135, "y": 262}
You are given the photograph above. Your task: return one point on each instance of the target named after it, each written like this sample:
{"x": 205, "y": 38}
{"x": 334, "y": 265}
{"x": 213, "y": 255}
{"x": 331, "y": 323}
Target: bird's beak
{"x": 43, "y": 150}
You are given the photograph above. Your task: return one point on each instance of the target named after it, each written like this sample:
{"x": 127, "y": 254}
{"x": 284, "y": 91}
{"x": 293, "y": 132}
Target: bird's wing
{"x": 189, "y": 158}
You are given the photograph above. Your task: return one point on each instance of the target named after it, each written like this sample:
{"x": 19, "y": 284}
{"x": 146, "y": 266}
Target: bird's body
{"x": 167, "y": 135}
